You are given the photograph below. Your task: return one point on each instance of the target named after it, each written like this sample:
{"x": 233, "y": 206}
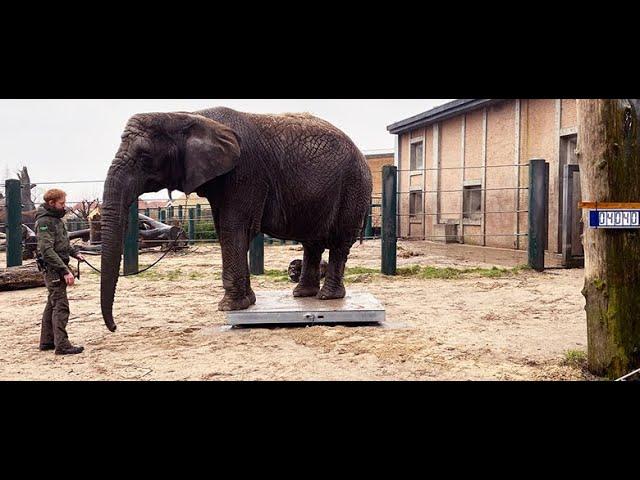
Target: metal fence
{"x": 196, "y": 220}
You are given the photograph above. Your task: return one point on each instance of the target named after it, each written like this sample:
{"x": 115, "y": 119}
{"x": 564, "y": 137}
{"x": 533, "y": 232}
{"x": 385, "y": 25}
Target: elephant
{"x": 291, "y": 176}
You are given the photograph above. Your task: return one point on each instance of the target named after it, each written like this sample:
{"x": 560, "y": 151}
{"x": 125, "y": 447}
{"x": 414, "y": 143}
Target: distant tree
{"x": 83, "y": 209}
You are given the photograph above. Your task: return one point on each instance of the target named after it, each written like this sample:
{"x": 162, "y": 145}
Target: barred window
{"x": 417, "y": 154}
{"x": 472, "y": 202}
{"x": 415, "y": 205}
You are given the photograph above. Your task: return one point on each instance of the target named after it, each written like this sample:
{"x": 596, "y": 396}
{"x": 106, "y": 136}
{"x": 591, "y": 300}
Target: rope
{"x": 139, "y": 271}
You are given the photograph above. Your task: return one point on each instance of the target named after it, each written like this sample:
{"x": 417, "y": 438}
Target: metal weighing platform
{"x": 281, "y": 308}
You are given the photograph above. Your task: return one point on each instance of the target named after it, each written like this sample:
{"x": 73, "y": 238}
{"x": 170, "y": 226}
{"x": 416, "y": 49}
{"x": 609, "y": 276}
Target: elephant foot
{"x": 306, "y": 290}
{"x": 228, "y": 303}
{"x": 331, "y": 293}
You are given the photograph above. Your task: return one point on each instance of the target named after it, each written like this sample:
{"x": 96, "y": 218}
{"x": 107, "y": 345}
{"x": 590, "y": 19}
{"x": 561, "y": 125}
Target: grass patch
{"x": 172, "y": 275}
{"x": 575, "y": 358}
{"x": 276, "y": 275}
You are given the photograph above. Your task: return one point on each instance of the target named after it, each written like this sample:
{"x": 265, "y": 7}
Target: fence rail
{"x": 383, "y": 209}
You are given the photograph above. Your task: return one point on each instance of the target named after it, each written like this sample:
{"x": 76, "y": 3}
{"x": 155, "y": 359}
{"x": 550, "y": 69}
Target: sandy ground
{"x": 517, "y": 327}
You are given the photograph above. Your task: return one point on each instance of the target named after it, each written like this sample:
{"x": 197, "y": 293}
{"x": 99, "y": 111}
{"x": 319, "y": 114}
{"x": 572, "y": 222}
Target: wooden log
{"x": 609, "y": 158}
{"x": 83, "y": 234}
{"x": 19, "y": 278}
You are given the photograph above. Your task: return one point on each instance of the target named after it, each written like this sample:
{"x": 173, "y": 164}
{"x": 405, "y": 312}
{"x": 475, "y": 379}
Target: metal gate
{"x": 572, "y": 224}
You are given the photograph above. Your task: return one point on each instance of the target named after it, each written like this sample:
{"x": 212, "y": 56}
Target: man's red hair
{"x": 54, "y": 194}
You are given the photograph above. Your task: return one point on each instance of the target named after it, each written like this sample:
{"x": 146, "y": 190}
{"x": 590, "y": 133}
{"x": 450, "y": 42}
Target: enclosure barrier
{"x": 537, "y": 229}
{"x": 386, "y": 221}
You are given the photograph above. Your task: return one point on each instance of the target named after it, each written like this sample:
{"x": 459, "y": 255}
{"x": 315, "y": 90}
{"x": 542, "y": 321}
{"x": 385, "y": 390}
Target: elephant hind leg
{"x": 333, "y": 284}
{"x": 309, "y": 284}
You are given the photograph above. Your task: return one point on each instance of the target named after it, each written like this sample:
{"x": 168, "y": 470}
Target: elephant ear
{"x": 211, "y": 149}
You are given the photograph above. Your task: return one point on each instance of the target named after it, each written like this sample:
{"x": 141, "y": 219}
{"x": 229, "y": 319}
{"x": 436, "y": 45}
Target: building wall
{"x": 516, "y": 131}
{"x": 376, "y": 162}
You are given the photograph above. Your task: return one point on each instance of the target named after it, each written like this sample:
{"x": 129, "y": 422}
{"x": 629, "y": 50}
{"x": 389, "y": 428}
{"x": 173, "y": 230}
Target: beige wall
{"x": 540, "y": 121}
{"x": 568, "y": 117}
{"x": 376, "y": 162}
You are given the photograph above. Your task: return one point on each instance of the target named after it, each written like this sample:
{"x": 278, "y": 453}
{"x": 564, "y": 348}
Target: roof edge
{"x": 449, "y": 109}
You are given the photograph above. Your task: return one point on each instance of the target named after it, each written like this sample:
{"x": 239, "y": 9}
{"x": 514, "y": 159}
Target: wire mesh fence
{"x": 448, "y": 210}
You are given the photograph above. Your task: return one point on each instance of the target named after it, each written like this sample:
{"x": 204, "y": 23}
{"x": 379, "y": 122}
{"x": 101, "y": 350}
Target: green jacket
{"x": 53, "y": 239}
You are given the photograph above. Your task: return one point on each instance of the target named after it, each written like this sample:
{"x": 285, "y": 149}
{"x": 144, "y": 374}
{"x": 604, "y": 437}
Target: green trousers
{"x": 56, "y": 313}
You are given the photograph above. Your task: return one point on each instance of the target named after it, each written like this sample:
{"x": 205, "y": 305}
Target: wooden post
{"x": 389, "y": 221}
{"x": 256, "y": 255}
{"x": 609, "y": 159}
{"x": 14, "y": 222}
{"x": 538, "y": 201}
{"x": 131, "y": 241}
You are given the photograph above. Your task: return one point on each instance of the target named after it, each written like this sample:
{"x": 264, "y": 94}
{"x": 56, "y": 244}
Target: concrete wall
{"x": 516, "y": 131}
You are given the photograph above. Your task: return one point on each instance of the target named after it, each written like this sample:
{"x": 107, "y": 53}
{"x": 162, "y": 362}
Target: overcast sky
{"x": 67, "y": 140}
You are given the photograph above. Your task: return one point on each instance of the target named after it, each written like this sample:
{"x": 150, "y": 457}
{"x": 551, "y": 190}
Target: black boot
{"x": 69, "y": 350}
{"x": 46, "y": 346}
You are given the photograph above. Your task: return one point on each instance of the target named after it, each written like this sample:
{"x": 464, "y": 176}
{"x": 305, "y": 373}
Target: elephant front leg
{"x": 235, "y": 272}
{"x": 333, "y": 283}
{"x": 309, "y": 284}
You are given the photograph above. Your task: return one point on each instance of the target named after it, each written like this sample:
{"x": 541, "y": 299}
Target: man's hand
{"x": 69, "y": 279}
{"x": 80, "y": 257}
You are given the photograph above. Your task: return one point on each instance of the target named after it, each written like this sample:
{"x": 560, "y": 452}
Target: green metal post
{"x": 538, "y": 200}
{"x": 159, "y": 213}
{"x": 163, "y": 216}
{"x": 180, "y": 213}
{"x": 192, "y": 225}
{"x": 368, "y": 229}
{"x": 256, "y": 255}
{"x": 14, "y": 222}
{"x": 198, "y": 212}
{"x": 389, "y": 230}
{"x": 131, "y": 241}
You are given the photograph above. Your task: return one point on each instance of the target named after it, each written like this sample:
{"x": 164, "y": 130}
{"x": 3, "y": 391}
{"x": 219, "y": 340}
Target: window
{"x": 416, "y": 156}
{"x": 415, "y": 205}
{"x": 472, "y": 202}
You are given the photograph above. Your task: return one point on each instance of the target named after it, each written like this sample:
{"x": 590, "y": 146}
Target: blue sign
{"x": 614, "y": 218}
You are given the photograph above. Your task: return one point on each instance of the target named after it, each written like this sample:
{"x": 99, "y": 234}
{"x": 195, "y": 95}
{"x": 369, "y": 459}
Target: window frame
{"x": 413, "y": 168}
{"x": 471, "y": 186}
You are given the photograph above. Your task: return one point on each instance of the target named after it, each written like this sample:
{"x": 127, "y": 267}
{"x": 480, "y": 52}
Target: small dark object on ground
{"x": 295, "y": 269}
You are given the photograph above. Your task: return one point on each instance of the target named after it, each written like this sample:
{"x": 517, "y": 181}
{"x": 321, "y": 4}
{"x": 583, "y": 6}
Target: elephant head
{"x": 177, "y": 151}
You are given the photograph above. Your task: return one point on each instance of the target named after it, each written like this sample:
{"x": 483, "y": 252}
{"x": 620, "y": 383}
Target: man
{"x": 55, "y": 249}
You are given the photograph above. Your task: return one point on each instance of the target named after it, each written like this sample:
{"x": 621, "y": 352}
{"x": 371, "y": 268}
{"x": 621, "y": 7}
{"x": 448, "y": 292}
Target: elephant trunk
{"x": 117, "y": 198}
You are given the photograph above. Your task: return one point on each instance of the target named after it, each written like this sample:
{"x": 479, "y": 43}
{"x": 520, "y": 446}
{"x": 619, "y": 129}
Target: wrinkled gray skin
{"x": 291, "y": 176}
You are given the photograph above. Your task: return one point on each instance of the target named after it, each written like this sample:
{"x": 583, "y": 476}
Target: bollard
{"x": 256, "y": 255}
{"x": 131, "y": 241}
{"x": 192, "y": 226}
{"x": 389, "y": 220}
{"x": 538, "y": 211}
{"x": 14, "y": 222}
{"x": 368, "y": 229}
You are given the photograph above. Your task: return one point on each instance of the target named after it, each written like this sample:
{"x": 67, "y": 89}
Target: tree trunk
{"x": 25, "y": 181}
{"x": 17, "y": 278}
{"x": 609, "y": 158}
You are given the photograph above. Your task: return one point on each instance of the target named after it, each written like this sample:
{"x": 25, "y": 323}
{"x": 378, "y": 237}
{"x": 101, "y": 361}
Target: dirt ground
{"x": 520, "y": 326}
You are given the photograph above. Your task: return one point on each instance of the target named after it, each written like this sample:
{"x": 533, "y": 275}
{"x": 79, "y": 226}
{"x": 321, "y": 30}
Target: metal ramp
{"x": 282, "y": 308}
